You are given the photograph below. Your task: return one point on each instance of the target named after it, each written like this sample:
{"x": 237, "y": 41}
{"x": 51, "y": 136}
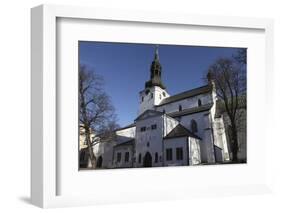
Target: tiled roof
{"x": 180, "y": 131}
{"x": 186, "y": 94}
{"x": 126, "y": 143}
{"x": 191, "y": 110}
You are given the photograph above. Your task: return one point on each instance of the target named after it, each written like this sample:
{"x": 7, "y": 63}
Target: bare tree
{"x": 96, "y": 112}
{"x": 230, "y": 85}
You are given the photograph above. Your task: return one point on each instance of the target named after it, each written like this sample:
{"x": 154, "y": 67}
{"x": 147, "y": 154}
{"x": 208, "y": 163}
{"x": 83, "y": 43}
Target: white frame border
{"x": 43, "y": 86}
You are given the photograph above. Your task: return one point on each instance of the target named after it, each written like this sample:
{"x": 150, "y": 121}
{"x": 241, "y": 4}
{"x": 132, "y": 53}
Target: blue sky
{"x": 126, "y": 67}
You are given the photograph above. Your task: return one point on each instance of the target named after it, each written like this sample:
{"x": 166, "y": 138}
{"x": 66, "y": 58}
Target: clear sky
{"x": 126, "y": 67}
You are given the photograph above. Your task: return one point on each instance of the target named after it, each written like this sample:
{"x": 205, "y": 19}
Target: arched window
{"x": 156, "y": 157}
{"x": 140, "y": 158}
{"x": 180, "y": 108}
{"x": 199, "y": 102}
{"x": 193, "y": 126}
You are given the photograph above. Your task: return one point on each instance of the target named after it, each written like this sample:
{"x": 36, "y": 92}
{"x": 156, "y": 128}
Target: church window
{"x": 169, "y": 154}
{"x": 156, "y": 157}
{"x": 164, "y": 94}
{"x": 151, "y": 95}
{"x": 154, "y": 126}
{"x": 180, "y": 108}
{"x": 143, "y": 129}
{"x": 179, "y": 153}
{"x": 146, "y": 92}
{"x": 193, "y": 125}
{"x": 119, "y": 157}
{"x": 199, "y": 102}
{"x": 139, "y": 158}
{"x": 127, "y": 155}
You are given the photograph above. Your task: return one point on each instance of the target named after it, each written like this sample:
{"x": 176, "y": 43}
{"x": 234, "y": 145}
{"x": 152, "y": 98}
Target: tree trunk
{"x": 91, "y": 153}
{"x": 234, "y": 141}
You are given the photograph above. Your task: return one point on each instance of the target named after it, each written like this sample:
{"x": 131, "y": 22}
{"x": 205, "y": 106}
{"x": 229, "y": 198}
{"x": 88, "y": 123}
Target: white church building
{"x": 169, "y": 130}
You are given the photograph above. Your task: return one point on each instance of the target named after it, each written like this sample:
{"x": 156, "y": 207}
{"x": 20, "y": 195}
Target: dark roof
{"x": 180, "y": 131}
{"x": 189, "y": 111}
{"x": 126, "y": 127}
{"x": 186, "y": 94}
{"x": 126, "y": 143}
{"x": 153, "y": 114}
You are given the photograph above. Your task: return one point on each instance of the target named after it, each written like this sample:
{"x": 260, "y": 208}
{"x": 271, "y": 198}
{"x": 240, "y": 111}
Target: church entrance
{"x": 147, "y": 160}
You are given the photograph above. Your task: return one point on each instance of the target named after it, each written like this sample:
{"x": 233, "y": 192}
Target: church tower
{"x": 154, "y": 91}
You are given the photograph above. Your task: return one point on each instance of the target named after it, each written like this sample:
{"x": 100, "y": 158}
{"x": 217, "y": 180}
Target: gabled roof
{"x": 186, "y": 94}
{"x": 126, "y": 127}
{"x": 148, "y": 114}
{"x": 180, "y": 131}
{"x": 189, "y": 111}
{"x": 126, "y": 143}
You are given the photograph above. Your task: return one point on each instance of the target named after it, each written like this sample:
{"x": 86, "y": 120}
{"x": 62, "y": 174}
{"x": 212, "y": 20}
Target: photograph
{"x": 159, "y": 105}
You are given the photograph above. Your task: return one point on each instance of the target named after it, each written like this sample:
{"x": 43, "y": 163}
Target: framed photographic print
{"x": 130, "y": 106}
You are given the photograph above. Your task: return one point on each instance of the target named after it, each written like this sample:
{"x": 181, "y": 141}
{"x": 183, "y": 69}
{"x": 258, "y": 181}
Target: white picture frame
{"x": 44, "y": 149}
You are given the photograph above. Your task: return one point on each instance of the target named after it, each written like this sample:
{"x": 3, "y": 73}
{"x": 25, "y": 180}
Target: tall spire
{"x": 156, "y": 55}
{"x": 155, "y": 72}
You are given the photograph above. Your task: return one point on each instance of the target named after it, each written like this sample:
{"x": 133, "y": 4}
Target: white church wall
{"x": 174, "y": 143}
{"x": 149, "y": 140}
{"x": 169, "y": 124}
{"x": 150, "y": 97}
{"x": 122, "y": 150}
{"x": 186, "y": 103}
{"x": 194, "y": 151}
{"x": 220, "y": 139}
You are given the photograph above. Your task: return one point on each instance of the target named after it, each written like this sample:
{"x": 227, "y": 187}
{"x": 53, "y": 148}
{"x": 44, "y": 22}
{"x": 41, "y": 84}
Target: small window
{"x": 119, "y": 157}
{"x": 156, "y": 157}
{"x": 179, "y": 153}
{"x": 164, "y": 111}
{"x": 151, "y": 95}
{"x": 199, "y": 102}
{"x": 143, "y": 129}
{"x": 180, "y": 108}
{"x": 154, "y": 126}
{"x": 164, "y": 94}
{"x": 160, "y": 96}
{"x": 147, "y": 144}
{"x": 169, "y": 154}
{"x": 139, "y": 158}
{"x": 193, "y": 126}
{"x": 127, "y": 155}
{"x": 142, "y": 99}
